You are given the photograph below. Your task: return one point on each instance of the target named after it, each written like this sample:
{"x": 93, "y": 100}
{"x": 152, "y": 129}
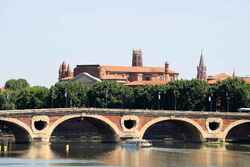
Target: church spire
{"x": 201, "y": 64}
{"x": 234, "y": 73}
{"x": 201, "y": 69}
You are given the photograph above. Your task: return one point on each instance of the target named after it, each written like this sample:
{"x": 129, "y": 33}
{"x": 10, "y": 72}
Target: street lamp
{"x": 227, "y": 99}
{"x": 66, "y": 97}
{"x": 175, "y": 100}
{"x": 210, "y": 101}
{"x": 52, "y": 98}
{"x": 106, "y": 98}
{"x": 159, "y": 100}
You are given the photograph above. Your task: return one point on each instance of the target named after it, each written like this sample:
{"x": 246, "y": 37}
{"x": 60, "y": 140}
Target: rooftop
{"x": 129, "y": 69}
{"x": 143, "y": 83}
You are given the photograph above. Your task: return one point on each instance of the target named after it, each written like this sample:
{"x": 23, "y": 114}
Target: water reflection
{"x": 83, "y": 150}
{"x": 39, "y": 151}
{"x": 162, "y": 154}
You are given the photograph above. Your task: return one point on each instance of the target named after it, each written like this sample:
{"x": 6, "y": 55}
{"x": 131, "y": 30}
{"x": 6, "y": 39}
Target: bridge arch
{"x": 186, "y": 121}
{"x": 100, "y": 118}
{"x": 236, "y": 126}
{"x": 21, "y": 131}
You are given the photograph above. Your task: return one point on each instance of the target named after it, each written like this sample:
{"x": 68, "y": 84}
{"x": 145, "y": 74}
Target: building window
{"x": 147, "y": 77}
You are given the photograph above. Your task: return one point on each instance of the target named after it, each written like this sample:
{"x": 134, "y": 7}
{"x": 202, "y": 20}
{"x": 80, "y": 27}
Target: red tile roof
{"x": 128, "y": 69}
{"x": 143, "y": 83}
{"x": 246, "y": 79}
{"x": 213, "y": 79}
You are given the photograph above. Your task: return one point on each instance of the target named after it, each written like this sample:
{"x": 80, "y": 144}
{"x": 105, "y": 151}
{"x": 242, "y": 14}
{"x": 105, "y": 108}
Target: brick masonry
{"x": 114, "y": 118}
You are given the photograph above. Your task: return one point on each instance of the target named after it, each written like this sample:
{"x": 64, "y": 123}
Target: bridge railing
{"x": 108, "y": 111}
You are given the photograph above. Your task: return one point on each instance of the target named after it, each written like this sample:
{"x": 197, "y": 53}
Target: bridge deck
{"x": 139, "y": 112}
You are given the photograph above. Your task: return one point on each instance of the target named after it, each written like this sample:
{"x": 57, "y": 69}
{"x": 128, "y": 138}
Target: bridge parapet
{"x": 106, "y": 111}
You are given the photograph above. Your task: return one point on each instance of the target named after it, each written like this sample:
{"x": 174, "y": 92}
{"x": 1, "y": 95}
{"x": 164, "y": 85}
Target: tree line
{"x": 186, "y": 95}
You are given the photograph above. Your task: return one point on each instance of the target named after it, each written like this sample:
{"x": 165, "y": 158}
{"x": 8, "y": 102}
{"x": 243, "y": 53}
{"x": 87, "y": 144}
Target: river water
{"x": 115, "y": 155}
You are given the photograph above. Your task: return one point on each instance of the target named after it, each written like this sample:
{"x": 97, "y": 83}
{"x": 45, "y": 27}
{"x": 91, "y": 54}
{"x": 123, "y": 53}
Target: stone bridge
{"x": 41, "y": 124}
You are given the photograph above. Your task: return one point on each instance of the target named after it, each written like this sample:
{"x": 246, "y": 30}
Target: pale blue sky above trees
{"x": 36, "y": 36}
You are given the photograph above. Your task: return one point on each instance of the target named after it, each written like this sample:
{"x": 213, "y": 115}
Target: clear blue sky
{"x": 36, "y": 36}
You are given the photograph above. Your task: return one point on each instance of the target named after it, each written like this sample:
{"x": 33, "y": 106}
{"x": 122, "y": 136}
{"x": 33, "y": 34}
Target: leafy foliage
{"x": 32, "y": 97}
{"x": 18, "y": 84}
{"x": 232, "y": 94}
{"x": 186, "y": 95}
{"x": 7, "y": 100}
{"x": 190, "y": 95}
{"x": 110, "y": 95}
{"x": 68, "y": 94}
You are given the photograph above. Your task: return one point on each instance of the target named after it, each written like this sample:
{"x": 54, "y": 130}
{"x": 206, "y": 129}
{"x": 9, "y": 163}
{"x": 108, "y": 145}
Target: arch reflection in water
{"x": 83, "y": 129}
{"x": 173, "y": 130}
{"x": 83, "y": 150}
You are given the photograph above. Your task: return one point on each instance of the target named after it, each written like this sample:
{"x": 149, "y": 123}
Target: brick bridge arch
{"x": 232, "y": 126}
{"x": 162, "y": 119}
{"x": 21, "y": 125}
{"x": 24, "y": 121}
{"x": 98, "y": 117}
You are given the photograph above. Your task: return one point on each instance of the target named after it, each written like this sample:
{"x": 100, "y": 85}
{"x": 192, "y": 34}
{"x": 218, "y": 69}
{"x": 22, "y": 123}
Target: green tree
{"x": 7, "y": 100}
{"x": 68, "y": 94}
{"x": 110, "y": 94}
{"x": 148, "y": 97}
{"x": 32, "y": 97}
{"x": 142, "y": 97}
{"x": 232, "y": 94}
{"x": 18, "y": 84}
{"x": 188, "y": 94}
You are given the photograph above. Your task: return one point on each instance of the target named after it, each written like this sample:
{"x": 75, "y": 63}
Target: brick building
{"x": 134, "y": 75}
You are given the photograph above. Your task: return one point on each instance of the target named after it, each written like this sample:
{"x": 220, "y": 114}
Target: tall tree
{"x": 68, "y": 94}
{"x": 110, "y": 94}
{"x": 32, "y": 97}
{"x": 7, "y": 100}
{"x": 189, "y": 94}
{"x": 232, "y": 94}
{"x": 18, "y": 84}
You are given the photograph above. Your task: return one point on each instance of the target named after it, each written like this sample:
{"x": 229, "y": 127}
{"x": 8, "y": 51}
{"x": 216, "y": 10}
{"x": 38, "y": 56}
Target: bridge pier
{"x": 129, "y": 135}
{"x": 213, "y": 139}
{"x": 40, "y": 138}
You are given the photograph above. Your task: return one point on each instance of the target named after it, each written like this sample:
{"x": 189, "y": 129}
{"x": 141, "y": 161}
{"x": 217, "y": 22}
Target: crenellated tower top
{"x": 65, "y": 72}
{"x": 137, "y": 58}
